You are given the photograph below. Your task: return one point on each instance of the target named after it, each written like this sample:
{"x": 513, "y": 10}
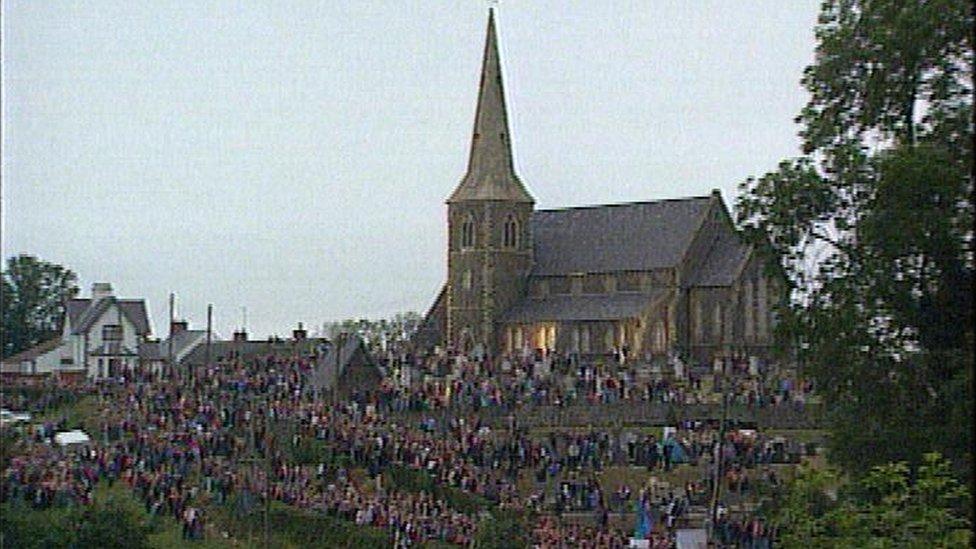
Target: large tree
{"x": 874, "y": 227}
{"x": 888, "y": 507}
{"x": 34, "y": 294}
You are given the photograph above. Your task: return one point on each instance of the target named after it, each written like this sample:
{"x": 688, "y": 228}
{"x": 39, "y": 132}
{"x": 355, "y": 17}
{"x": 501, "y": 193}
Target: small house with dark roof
{"x": 101, "y": 336}
{"x": 650, "y": 279}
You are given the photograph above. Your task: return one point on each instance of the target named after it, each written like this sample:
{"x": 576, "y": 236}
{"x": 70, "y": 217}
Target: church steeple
{"x": 491, "y": 172}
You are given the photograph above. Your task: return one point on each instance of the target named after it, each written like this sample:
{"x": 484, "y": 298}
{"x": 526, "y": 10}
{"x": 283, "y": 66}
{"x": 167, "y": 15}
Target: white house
{"x": 101, "y": 337}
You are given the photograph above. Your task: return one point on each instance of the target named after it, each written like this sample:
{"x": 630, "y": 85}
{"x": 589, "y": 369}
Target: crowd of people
{"x": 230, "y": 432}
{"x": 459, "y": 382}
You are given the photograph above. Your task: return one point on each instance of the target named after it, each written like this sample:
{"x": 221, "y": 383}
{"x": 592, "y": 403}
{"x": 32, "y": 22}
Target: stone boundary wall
{"x": 635, "y": 413}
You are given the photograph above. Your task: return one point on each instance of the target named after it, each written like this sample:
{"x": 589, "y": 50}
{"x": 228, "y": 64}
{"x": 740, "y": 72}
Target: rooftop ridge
{"x": 627, "y": 203}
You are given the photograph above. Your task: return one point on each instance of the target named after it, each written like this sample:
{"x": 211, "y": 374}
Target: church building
{"x": 650, "y": 279}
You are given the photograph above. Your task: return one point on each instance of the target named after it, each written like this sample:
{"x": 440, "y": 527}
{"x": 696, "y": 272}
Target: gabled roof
{"x": 30, "y": 354}
{"x": 636, "y": 236}
{"x": 82, "y": 314}
{"x": 183, "y": 342}
{"x": 582, "y": 307}
{"x": 491, "y": 171}
{"x": 723, "y": 262}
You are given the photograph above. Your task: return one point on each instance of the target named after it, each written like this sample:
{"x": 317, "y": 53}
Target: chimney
{"x": 100, "y": 290}
{"x": 240, "y": 335}
{"x": 178, "y": 326}
{"x": 299, "y": 334}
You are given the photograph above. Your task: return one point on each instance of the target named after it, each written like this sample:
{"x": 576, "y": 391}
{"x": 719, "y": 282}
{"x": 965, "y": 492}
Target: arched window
{"x": 467, "y": 232}
{"x": 510, "y": 236}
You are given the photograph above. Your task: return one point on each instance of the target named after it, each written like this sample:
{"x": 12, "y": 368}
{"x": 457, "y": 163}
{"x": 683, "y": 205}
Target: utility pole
{"x": 717, "y": 485}
{"x": 267, "y": 474}
{"x": 172, "y": 308}
{"x": 265, "y": 461}
{"x": 209, "y": 336}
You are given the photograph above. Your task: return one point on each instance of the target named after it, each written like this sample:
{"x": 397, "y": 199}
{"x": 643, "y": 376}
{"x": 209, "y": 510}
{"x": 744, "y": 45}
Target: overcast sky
{"x": 294, "y": 157}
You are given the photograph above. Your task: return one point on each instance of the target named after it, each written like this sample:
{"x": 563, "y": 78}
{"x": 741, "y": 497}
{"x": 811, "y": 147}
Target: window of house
{"x": 585, "y": 339}
{"x": 510, "y": 237}
{"x": 111, "y": 332}
{"x": 466, "y": 279}
{"x": 467, "y": 232}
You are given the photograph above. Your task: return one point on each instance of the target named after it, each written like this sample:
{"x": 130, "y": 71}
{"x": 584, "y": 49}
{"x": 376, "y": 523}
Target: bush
{"x": 503, "y": 530}
{"x": 307, "y": 529}
{"x": 405, "y": 479}
{"x": 105, "y": 524}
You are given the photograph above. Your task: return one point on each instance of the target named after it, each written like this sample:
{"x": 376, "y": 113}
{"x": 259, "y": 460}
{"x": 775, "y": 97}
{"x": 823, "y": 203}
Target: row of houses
{"x": 104, "y": 336}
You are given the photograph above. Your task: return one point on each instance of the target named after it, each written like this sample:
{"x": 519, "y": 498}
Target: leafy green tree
{"x": 34, "y": 293}
{"x": 873, "y": 226}
{"x": 890, "y": 507}
{"x": 383, "y": 334}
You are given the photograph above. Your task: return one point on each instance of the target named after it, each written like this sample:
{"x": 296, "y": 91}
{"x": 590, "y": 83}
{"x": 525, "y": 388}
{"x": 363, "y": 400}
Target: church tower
{"x": 489, "y": 241}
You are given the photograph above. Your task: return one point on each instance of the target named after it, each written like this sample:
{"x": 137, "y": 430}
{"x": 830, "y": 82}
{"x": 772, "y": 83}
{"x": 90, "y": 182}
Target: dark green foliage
{"x": 25, "y": 528}
{"x": 112, "y": 523}
{"x": 504, "y": 530}
{"x": 293, "y": 527}
{"x": 34, "y": 293}
{"x": 410, "y": 480}
{"x": 307, "y": 529}
{"x": 874, "y": 229}
{"x": 309, "y": 451}
{"x": 316, "y": 530}
{"x": 891, "y": 506}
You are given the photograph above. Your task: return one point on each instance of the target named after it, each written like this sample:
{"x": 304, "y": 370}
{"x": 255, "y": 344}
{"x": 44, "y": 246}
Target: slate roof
{"x": 151, "y": 350}
{"x": 82, "y": 314}
{"x": 635, "y": 236}
{"x": 251, "y": 349}
{"x": 34, "y": 352}
{"x": 335, "y": 364}
{"x": 182, "y": 341}
{"x": 582, "y": 307}
{"x": 724, "y": 261}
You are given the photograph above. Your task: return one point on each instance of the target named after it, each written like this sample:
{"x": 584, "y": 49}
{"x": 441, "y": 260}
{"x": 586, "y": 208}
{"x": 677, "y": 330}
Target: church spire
{"x": 491, "y": 172}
